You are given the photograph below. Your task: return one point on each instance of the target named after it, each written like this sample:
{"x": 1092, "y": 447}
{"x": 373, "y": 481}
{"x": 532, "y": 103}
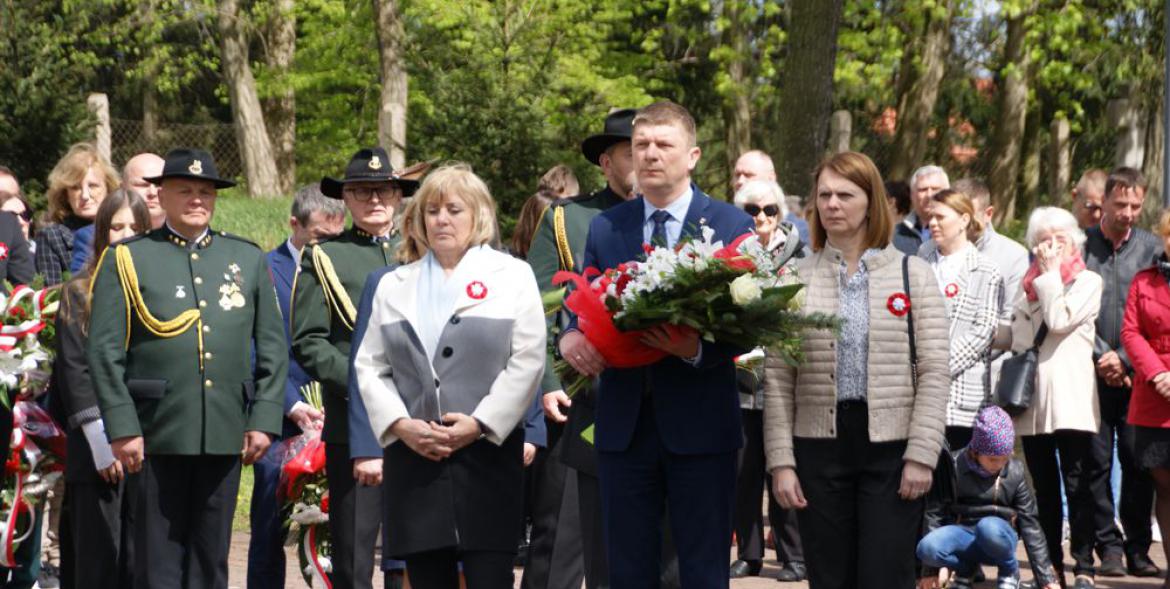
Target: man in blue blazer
{"x": 666, "y": 434}
{"x": 313, "y": 217}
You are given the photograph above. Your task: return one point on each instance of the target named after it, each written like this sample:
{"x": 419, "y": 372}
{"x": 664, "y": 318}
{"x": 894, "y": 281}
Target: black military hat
{"x": 191, "y": 163}
{"x": 619, "y": 126}
{"x": 369, "y": 164}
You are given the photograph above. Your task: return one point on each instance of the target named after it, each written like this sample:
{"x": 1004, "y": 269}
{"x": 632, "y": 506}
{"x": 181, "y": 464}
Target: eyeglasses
{"x": 769, "y": 210}
{"x": 384, "y": 193}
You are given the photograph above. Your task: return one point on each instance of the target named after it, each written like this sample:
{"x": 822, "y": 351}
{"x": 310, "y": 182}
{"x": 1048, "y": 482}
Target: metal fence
{"x": 129, "y": 137}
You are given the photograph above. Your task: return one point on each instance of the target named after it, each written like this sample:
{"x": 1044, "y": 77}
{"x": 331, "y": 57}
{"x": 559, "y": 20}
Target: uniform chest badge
{"x": 951, "y": 290}
{"x": 180, "y": 292}
{"x": 231, "y": 293}
{"x": 477, "y": 290}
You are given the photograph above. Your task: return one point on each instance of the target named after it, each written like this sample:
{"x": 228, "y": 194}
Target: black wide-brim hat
{"x": 195, "y": 164}
{"x": 619, "y": 126}
{"x": 370, "y": 164}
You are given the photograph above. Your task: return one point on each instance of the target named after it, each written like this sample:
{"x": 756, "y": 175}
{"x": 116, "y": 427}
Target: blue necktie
{"x": 658, "y": 236}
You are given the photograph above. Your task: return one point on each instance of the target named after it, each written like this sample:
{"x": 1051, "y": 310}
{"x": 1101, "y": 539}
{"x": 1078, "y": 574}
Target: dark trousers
{"x": 592, "y": 532}
{"x": 1137, "y": 488}
{"x": 1073, "y": 449}
{"x": 266, "y": 546}
{"x": 752, "y": 480}
{"x": 355, "y": 514}
{"x": 857, "y": 532}
{"x": 645, "y": 481}
{"x": 183, "y": 521}
{"x": 554, "y": 555}
{"x": 100, "y": 533}
{"x": 439, "y": 569}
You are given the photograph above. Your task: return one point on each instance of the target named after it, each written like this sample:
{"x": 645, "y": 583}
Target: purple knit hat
{"x": 994, "y": 434}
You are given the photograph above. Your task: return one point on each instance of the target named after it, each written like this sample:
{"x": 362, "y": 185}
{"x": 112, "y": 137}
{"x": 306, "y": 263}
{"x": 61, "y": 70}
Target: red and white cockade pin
{"x": 951, "y": 290}
{"x": 3, "y": 251}
{"x": 476, "y": 290}
{"x": 898, "y": 304}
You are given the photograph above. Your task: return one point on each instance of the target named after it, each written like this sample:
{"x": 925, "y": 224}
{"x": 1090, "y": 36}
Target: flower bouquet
{"x": 305, "y": 495}
{"x": 26, "y": 340}
{"x": 36, "y": 460}
{"x": 739, "y": 294}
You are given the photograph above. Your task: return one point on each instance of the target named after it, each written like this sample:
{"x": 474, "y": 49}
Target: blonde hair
{"x": 667, "y": 113}
{"x": 1163, "y": 226}
{"x": 860, "y": 170}
{"x": 961, "y": 203}
{"x": 70, "y": 171}
{"x": 454, "y": 180}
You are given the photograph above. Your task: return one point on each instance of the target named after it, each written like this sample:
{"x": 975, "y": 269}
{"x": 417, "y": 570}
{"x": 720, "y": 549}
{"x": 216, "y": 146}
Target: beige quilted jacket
{"x": 802, "y": 401}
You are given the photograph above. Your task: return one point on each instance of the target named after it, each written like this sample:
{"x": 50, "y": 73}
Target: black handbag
{"x": 1017, "y": 377}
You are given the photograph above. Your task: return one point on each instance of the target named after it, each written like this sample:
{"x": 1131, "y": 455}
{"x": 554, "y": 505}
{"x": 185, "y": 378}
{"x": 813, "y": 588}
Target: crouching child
{"x": 980, "y": 519}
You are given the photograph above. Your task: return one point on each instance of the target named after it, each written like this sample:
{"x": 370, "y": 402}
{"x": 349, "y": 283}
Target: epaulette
{"x": 568, "y": 200}
{"x": 132, "y": 238}
{"x": 238, "y": 238}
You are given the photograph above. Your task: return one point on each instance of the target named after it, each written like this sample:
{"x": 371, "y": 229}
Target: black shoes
{"x": 746, "y": 568}
{"x": 793, "y": 572}
{"x": 1140, "y": 565}
{"x": 1111, "y": 566}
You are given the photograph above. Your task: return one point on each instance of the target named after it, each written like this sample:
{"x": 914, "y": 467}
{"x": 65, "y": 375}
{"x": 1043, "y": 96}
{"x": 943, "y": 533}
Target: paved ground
{"x": 238, "y": 568}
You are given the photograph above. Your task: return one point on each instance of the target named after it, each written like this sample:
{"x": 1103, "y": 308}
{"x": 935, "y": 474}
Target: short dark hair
{"x": 900, "y": 192}
{"x": 976, "y": 189}
{"x": 667, "y": 113}
{"x": 1124, "y": 177}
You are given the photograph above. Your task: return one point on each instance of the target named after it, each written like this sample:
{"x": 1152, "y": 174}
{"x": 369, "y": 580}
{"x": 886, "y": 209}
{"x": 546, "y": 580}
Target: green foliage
{"x": 262, "y": 220}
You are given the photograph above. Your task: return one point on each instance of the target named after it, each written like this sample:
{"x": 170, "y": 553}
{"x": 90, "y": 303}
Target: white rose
{"x": 744, "y": 290}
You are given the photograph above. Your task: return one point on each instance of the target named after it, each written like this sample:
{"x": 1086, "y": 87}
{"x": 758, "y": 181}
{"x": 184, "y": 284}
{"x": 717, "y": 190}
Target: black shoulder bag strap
{"x": 910, "y": 321}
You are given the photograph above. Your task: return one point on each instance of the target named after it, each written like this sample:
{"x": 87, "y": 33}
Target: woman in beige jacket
{"x": 850, "y": 439}
{"x": 1060, "y": 294}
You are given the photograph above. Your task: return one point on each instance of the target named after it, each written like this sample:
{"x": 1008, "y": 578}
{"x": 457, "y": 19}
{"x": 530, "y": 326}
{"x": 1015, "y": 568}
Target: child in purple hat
{"x": 991, "y": 509}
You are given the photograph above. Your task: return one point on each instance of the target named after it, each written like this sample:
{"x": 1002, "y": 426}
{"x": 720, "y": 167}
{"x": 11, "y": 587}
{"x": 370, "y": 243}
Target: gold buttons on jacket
{"x": 207, "y": 383}
{"x": 206, "y": 329}
{"x": 198, "y": 280}
{"x": 206, "y": 355}
{"x": 202, "y": 304}
{"x": 194, "y": 256}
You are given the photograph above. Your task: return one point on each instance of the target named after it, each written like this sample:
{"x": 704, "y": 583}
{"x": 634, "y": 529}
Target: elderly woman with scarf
{"x": 1056, "y": 311}
{"x": 972, "y": 291}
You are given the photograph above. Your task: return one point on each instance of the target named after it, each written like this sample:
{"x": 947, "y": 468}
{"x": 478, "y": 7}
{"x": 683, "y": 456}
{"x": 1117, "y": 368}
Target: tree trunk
{"x": 921, "y": 73}
{"x": 806, "y": 101}
{"x": 1033, "y": 153}
{"x": 248, "y": 118}
{"x": 149, "y": 139}
{"x": 737, "y": 105}
{"x": 392, "y": 114}
{"x": 281, "y": 107}
{"x": 1008, "y": 137}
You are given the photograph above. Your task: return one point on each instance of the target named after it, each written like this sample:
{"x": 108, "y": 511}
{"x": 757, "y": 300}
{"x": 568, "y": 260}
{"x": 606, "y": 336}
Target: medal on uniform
{"x": 231, "y": 295}
{"x": 179, "y": 292}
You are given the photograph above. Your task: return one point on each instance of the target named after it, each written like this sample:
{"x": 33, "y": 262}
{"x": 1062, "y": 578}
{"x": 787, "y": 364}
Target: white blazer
{"x": 488, "y": 361}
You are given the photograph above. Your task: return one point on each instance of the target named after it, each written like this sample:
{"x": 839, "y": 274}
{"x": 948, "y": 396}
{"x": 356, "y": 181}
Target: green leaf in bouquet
{"x": 553, "y": 301}
{"x": 587, "y": 434}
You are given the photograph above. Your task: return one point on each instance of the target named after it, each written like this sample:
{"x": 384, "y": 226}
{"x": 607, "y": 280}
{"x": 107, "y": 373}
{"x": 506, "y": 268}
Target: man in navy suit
{"x": 666, "y": 434}
{"x": 314, "y": 217}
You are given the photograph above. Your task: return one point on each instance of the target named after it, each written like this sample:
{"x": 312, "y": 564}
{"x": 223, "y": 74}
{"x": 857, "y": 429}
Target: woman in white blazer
{"x": 1060, "y": 294}
{"x": 447, "y": 365}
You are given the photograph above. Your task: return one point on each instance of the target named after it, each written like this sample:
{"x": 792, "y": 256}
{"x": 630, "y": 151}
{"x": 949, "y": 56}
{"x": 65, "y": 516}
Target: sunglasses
{"x": 753, "y": 210}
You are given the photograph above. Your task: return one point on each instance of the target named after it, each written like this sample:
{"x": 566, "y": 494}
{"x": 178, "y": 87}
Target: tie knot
{"x": 660, "y": 216}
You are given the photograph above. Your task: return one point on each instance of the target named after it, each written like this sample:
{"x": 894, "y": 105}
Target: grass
{"x": 244, "y": 498}
{"x": 264, "y": 221}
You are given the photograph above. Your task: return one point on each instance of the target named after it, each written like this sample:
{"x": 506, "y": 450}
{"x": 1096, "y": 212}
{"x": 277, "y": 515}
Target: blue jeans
{"x": 963, "y": 549}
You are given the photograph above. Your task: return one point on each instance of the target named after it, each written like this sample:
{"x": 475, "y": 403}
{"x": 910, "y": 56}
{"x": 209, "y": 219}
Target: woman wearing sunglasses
{"x": 763, "y": 200}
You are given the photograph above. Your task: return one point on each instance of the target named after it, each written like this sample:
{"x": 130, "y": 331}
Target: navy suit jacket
{"x": 284, "y": 270}
{"x": 696, "y": 408}
{"x": 362, "y": 442}
{"x": 82, "y": 248}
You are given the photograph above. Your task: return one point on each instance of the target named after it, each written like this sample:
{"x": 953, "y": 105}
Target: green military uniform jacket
{"x": 559, "y": 244}
{"x": 325, "y": 297}
{"x": 186, "y": 346}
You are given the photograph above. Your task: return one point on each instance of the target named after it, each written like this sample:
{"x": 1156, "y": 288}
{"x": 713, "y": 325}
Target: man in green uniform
{"x": 559, "y": 244}
{"x": 324, "y": 306}
{"x": 188, "y": 360}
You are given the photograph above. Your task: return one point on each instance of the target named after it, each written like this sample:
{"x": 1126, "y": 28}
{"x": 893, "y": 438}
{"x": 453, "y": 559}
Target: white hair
{"x": 761, "y": 190}
{"x": 928, "y": 171}
{"x": 1053, "y": 219}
